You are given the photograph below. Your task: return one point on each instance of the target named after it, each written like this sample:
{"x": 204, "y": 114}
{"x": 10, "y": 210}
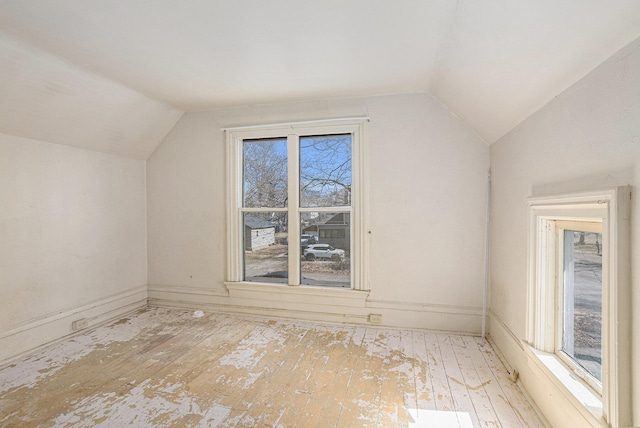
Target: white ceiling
{"x": 492, "y": 62}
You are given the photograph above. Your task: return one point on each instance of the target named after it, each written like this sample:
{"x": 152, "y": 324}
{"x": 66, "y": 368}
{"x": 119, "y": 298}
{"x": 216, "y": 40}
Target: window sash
{"x": 560, "y": 227}
{"x": 357, "y": 210}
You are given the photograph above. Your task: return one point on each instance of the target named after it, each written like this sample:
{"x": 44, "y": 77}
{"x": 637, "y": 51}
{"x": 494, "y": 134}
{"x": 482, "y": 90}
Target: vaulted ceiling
{"x": 115, "y": 76}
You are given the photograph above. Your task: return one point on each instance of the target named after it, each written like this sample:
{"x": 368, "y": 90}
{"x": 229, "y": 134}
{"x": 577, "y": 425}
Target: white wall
{"x": 587, "y": 138}
{"x": 72, "y": 239}
{"x": 427, "y": 179}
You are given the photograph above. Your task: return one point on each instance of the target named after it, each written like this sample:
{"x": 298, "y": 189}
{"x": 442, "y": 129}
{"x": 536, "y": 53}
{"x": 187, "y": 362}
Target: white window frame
{"x": 611, "y": 208}
{"x": 359, "y": 193}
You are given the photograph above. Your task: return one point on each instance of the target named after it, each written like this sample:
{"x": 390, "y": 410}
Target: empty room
{"x": 348, "y": 213}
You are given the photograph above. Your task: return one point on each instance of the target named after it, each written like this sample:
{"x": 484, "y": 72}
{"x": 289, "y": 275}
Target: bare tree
{"x": 265, "y": 173}
{"x": 325, "y": 170}
{"x": 325, "y": 173}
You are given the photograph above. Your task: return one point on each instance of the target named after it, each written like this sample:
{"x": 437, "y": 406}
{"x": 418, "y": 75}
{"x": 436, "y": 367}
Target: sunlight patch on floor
{"x": 439, "y": 418}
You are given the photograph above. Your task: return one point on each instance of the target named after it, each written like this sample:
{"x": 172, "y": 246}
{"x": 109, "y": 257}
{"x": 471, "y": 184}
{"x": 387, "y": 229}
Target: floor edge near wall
{"x": 550, "y": 403}
{"x": 26, "y": 337}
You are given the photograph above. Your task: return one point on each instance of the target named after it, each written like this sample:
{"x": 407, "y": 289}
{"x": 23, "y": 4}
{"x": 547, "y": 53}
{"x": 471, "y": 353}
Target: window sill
{"x": 336, "y": 296}
{"x": 583, "y": 398}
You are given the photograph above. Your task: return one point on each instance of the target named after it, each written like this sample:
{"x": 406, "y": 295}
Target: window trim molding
{"x": 612, "y": 207}
{"x": 360, "y": 193}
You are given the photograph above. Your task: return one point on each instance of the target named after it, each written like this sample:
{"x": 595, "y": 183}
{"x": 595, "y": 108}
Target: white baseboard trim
{"x": 344, "y": 306}
{"x": 25, "y": 337}
{"x": 442, "y": 318}
{"x": 553, "y": 404}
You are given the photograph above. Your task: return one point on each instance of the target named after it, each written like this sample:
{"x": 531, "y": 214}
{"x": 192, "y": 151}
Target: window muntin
{"x": 579, "y": 321}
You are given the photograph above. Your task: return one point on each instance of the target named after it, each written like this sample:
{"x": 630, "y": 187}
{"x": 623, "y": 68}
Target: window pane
{"x": 326, "y": 249}
{"x": 265, "y": 247}
{"x": 265, "y": 173}
{"x": 582, "y": 335}
{"x": 325, "y": 171}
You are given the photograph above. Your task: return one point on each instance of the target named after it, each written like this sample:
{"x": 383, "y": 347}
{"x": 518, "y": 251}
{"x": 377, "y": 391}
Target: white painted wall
{"x": 427, "y": 173}
{"x": 72, "y": 239}
{"x": 587, "y": 138}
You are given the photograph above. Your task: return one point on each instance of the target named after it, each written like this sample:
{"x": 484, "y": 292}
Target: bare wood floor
{"x": 162, "y": 367}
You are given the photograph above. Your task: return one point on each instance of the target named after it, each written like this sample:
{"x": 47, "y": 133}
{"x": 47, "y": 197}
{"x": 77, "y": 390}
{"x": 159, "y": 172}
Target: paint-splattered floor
{"x": 162, "y": 367}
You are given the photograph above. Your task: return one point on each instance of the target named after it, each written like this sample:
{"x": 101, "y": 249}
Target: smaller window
{"x": 578, "y": 304}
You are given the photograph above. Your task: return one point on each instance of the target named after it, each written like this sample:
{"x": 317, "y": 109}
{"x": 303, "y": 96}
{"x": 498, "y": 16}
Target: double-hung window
{"x": 296, "y": 204}
{"x": 579, "y": 291}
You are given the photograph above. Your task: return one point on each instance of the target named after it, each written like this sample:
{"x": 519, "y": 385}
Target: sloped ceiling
{"x": 134, "y": 65}
{"x": 45, "y": 98}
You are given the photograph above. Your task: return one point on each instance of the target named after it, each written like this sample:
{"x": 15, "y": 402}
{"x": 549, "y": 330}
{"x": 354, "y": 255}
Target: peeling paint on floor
{"x": 162, "y": 367}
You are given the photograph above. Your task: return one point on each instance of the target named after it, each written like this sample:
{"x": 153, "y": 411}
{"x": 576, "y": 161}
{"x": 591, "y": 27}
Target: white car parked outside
{"x": 323, "y": 251}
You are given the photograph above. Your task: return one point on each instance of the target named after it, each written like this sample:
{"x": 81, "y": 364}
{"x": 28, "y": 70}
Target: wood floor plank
{"x": 266, "y": 406}
{"x": 361, "y": 402}
{"x": 460, "y": 393}
{"x": 398, "y": 398}
{"x": 303, "y": 410}
{"x": 211, "y": 376}
{"x": 163, "y": 367}
{"x": 496, "y": 395}
{"x": 425, "y": 397}
{"x": 523, "y": 409}
{"x": 408, "y": 368}
{"x": 391, "y": 408}
{"x": 141, "y": 379}
{"x": 337, "y": 373}
{"x": 443, "y": 397}
{"x": 479, "y": 398}
{"x": 101, "y": 365}
{"x": 257, "y": 371}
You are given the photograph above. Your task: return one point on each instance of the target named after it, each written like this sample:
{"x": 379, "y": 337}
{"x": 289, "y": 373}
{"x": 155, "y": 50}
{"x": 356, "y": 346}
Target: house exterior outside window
{"x": 335, "y": 231}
